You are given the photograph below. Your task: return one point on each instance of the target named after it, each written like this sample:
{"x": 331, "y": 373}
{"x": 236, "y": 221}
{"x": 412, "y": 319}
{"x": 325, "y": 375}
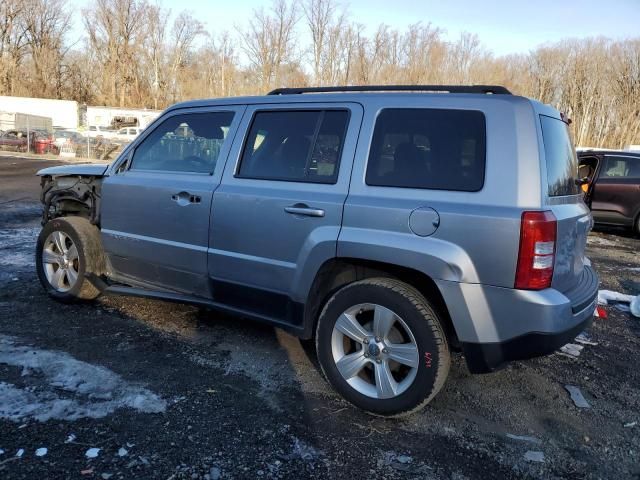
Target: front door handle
{"x": 303, "y": 209}
{"x": 185, "y": 198}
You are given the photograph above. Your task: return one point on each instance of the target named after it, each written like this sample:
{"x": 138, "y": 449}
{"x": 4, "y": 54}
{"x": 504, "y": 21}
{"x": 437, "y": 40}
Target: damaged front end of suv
{"x": 72, "y": 190}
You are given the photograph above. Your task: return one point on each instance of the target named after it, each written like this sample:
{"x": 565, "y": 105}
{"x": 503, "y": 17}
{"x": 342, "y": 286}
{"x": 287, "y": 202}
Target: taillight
{"x": 537, "y": 250}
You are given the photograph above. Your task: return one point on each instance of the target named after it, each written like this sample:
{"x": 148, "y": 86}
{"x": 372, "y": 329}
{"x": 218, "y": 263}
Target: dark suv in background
{"x": 613, "y": 188}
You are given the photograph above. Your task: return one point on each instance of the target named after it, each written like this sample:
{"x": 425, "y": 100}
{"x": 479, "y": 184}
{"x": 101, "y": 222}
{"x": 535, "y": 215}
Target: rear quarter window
{"x": 561, "y": 158}
{"x": 621, "y": 167}
{"x": 428, "y": 148}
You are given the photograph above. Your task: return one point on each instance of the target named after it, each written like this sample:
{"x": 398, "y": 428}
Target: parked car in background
{"x": 94, "y": 131}
{"x": 67, "y": 137}
{"x": 44, "y": 142}
{"x": 39, "y": 141}
{"x": 612, "y": 188}
{"x": 390, "y": 226}
{"x": 15, "y": 140}
{"x": 126, "y": 134}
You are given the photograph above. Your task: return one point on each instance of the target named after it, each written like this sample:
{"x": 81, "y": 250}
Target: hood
{"x": 85, "y": 169}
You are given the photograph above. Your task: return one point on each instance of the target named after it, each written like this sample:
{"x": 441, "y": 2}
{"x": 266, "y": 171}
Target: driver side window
{"x": 189, "y": 142}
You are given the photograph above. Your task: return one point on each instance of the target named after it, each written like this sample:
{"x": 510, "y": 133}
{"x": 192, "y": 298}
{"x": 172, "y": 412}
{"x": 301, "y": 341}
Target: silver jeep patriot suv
{"x": 392, "y": 224}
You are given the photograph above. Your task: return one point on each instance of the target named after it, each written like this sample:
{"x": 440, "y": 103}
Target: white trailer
{"x": 115, "y": 117}
{"x": 63, "y": 113}
{"x": 24, "y": 121}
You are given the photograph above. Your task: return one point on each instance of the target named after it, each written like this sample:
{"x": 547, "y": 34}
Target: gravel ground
{"x": 134, "y": 388}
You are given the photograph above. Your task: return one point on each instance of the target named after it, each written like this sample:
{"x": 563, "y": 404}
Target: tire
{"x": 64, "y": 276}
{"x": 414, "y": 323}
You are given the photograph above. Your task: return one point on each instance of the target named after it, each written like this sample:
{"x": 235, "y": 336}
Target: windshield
{"x": 562, "y": 162}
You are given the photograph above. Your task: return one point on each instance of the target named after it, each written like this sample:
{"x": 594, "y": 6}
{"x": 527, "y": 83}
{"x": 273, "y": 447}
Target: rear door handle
{"x": 303, "y": 209}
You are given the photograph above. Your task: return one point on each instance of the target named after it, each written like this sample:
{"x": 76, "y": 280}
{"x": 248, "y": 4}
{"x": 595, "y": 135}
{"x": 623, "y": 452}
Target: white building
{"x": 111, "y": 116}
{"x": 63, "y": 113}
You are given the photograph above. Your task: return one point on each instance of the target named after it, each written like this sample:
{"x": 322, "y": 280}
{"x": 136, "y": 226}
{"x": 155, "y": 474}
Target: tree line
{"x": 135, "y": 53}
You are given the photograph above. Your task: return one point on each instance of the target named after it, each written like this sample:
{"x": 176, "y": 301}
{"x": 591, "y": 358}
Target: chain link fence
{"x": 68, "y": 144}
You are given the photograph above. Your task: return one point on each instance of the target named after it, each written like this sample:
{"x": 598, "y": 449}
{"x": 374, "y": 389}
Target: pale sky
{"x": 504, "y": 26}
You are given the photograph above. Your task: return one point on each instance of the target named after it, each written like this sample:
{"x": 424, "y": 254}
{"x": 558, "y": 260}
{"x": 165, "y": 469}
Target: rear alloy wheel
{"x": 381, "y": 345}
{"x": 384, "y": 349}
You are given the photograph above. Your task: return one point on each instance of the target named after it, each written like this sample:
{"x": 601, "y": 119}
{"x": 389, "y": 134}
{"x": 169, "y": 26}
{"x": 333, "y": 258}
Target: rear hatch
{"x": 565, "y": 200}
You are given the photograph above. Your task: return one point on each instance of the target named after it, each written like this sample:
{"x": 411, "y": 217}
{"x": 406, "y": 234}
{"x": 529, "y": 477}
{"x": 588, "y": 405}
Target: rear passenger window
{"x": 621, "y": 167}
{"x": 298, "y": 146}
{"x": 428, "y": 148}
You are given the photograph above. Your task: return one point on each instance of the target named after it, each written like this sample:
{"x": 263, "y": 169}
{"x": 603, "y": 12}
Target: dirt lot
{"x": 173, "y": 391}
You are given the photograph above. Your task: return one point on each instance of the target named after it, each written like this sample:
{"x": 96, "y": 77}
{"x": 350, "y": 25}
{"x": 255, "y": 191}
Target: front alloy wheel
{"x": 60, "y": 261}
{"x": 69, "y": 249}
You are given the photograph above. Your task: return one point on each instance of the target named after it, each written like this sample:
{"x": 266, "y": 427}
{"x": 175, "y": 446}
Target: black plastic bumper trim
{"x": 489, "y": 357}
{"x": 585, "y": 291}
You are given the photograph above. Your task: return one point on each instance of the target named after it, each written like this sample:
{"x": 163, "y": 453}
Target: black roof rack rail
{"x": 483, "y": 89}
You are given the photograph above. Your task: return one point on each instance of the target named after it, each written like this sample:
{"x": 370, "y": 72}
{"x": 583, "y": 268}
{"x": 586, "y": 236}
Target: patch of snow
{"x": 70, "y": 438}
{"x": 303, "y": 450}
{"x": 73, "y": 389}
{"x": 635, "y": 306}
{"x": 41, "y": 452}
{"x": 21, "y": 242}
{"x": 585, "y": 339}
{"x": 523, "y": 438}
{"x": 92, "y": 453}
{"x": 20, "y": 452}
{"x": 532, "y": 456}
{"x": 594, "y": 240}
{"x": 606, "y": 296}
{"x": 122, "y": 452}
{"x": 571, "y": 350}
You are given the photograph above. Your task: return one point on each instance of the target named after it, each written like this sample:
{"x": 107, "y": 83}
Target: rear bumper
{"x": 497, "y": 325}
{"x": 488, "y": 357}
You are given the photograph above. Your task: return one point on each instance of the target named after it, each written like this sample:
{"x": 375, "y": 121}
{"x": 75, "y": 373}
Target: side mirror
{"x": 124, "y": 165}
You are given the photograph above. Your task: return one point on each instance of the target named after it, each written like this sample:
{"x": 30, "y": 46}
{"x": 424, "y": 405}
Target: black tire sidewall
{"x": 72, "y": 294}
{"x": 429, "y": 346}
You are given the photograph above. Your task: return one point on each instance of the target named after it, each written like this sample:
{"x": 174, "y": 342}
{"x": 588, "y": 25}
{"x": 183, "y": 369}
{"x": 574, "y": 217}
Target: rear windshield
{"x": 428, "y": 148}
{"x": 562, "y": 162}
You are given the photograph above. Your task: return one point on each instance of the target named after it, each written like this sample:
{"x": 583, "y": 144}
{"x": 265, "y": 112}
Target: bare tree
{"x": 13, "y": 42}
{"x": 319, "y": 17}
{"x": 154, "y": 50}
{"x": 114, "y": 28}
{"x": 269, "y": 39}
{"x": 139, "y": 54}
{"x": 46, "y": 23}
{"x": 184, "y": 32}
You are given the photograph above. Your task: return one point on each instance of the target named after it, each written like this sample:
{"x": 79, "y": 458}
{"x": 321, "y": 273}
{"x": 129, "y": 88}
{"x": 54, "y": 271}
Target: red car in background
{"x": 14, "y": 140}
{"x": 612, "y": 188}
{"x": 39, "y": 141}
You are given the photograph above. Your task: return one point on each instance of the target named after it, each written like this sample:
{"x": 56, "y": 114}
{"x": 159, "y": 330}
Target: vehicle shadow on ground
{"x": 617, "y": 231}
